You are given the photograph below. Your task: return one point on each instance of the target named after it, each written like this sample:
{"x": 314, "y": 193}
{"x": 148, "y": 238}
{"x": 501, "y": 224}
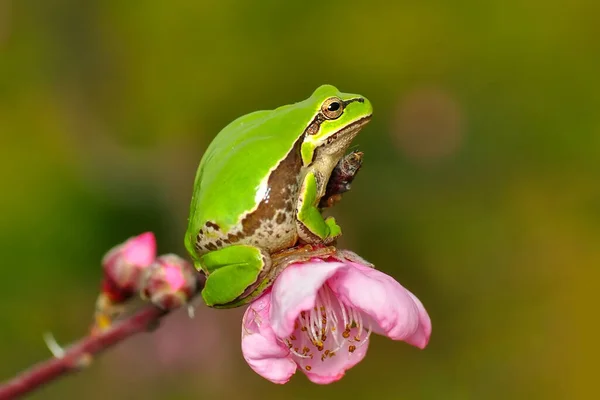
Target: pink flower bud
{"x": 123, "y": 266}
{"x": 170, "y": 282}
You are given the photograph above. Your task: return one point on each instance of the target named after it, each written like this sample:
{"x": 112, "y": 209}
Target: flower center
{"x": 330, "y": 326}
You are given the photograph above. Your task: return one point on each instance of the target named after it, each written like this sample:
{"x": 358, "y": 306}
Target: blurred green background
{"x": 480, "y": 190}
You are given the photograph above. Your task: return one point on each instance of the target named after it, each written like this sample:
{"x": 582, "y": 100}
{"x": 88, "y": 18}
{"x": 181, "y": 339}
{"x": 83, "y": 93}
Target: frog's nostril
{"x": 361, "y": 100}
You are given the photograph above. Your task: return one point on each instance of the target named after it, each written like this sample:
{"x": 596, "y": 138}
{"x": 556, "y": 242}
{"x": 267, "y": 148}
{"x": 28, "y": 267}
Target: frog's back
{"x": 232, "y": 177}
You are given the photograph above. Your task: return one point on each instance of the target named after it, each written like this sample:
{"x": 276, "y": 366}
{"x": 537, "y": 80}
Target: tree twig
{"x": 80, "y": 354}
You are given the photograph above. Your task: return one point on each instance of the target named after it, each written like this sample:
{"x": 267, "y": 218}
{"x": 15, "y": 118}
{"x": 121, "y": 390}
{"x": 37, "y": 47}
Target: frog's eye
{"x": 332, "y": 108}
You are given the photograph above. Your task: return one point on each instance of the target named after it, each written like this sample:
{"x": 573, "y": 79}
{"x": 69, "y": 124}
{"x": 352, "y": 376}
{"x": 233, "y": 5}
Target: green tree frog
{"x": 258, "y": 187}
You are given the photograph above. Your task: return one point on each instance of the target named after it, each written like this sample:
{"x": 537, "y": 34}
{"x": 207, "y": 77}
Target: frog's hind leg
{"x": 231, "y": 272}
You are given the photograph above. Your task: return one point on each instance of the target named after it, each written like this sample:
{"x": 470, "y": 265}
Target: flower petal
{"x": 295, "y": 290}
{"x": 395, "y": 311}
{"x": 334, "y": 368}
{"x": 140, "y": 250}
{"x": 421, "y": 337}
{"x": 265, "y": 354}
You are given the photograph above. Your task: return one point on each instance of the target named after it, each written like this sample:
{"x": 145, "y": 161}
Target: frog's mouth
{"x": 349, "y": 131}
{"x": 329, "y": 153}
{"x": 336, "y": 145}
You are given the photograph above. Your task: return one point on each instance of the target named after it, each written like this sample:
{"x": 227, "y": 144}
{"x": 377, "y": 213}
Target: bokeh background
{"x": 480, "y": 190}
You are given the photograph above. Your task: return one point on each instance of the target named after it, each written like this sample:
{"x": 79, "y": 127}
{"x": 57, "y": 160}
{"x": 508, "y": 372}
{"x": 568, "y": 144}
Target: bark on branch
{"x": 80, "y": 354}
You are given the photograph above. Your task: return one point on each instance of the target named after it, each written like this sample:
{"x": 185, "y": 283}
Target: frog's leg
{"x": 231, "y": 272}
{"x": 312, "y": 228}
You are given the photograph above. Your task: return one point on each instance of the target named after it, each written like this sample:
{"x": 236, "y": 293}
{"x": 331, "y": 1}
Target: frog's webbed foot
{"x": 233, "y": 273}
{"x": 312, "y": 227}
{"x": 341, "y": 178}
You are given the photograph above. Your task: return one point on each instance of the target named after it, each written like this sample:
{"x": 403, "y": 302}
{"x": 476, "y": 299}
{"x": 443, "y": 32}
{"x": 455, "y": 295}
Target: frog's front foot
{"x": 234, "y": 274}
{"x": 319, "y": 231}
{"x": 334, "y": 230}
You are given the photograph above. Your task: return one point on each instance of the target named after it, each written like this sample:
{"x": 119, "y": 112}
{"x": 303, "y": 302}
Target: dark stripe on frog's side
{"x": 279, "y": 206}
{"x": 274, "y": 214}
{"x": 210, "y": 224}
{"x": 315, "y": 125}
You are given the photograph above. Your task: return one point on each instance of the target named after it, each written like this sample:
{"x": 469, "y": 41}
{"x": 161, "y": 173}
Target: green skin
{"x": 258, "y": 187}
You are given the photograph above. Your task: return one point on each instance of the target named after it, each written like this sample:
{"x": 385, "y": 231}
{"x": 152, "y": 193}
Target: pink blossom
{"x": 318, "y": 317}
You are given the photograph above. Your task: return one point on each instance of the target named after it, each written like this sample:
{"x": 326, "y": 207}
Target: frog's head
{"x": 338, "y": 119}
